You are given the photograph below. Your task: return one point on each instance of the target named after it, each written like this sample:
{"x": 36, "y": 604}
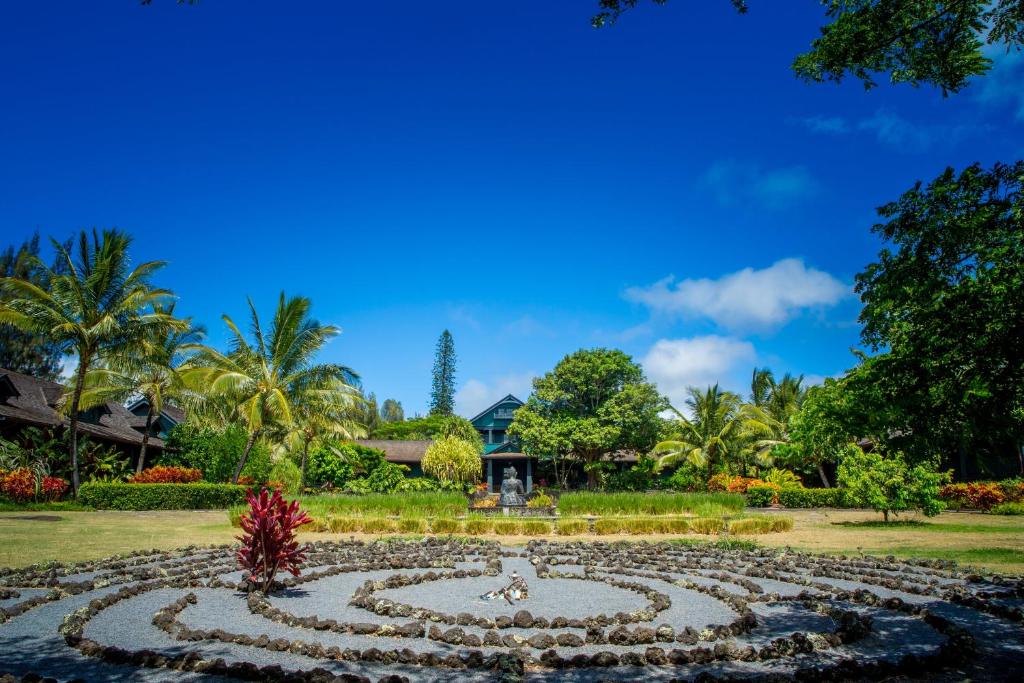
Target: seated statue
{"x": 512, "y": 491}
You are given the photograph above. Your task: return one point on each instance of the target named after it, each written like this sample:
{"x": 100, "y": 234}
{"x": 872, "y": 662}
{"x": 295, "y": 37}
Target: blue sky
{"x": 498, "y": 169}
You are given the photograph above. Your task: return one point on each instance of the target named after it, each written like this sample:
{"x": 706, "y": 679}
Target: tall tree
{"x": 97, "y": 308}
{"x": 594, "y": 403}
{"x": 709, "y": 435}
{"x": 27, "y": 352}
{"x": 151, "y": 369}
{"x": 944, "y": 309}
{"x": 391, "y": 411}
{"x": 938, "y": 42}
{"x": 442, "y": 393}
{"x": 269, "y": 377}
{"x": 322, "y": 417}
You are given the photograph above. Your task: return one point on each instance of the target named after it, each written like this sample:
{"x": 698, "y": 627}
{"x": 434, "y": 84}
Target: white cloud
{"x": 734, "y": 182}
{"x": 1004, "y": 84}
{"x": 675, "y": 364}
{"x": 528, "y": 326}
{"x": 889, "y": 128}
{"x": 747, "y": 298}
{"x": 833, "y": 125}
{"x": 475, "y": 395}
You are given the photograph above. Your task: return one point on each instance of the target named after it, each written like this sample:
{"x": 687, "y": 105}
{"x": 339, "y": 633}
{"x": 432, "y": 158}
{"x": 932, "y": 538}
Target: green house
{"x": 500, "y": 451}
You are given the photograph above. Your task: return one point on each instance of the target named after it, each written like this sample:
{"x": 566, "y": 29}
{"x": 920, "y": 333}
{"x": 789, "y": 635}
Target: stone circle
{"x": 411, "y": 610}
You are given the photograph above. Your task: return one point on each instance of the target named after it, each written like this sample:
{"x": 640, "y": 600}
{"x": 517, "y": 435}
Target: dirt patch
{"x": 40, "y": 518}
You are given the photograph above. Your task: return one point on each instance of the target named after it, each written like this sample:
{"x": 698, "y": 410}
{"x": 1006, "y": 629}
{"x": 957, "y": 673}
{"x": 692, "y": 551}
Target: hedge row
{"x": 197, "y": 496}
{"x": 763, "y": 496}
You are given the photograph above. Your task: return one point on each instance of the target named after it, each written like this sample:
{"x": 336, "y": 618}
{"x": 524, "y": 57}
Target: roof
{"x": 507, "y": 456}
{"x": 399, "y": 451}
{"x": 171, "y": 412}
{"x": 494, "y": 405}
{"x": 34, "y": 401}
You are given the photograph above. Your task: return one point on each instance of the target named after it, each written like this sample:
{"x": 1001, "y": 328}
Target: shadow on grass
{"x": 878, "y": 524}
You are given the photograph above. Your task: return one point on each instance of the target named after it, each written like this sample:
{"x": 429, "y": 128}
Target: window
{"x": 504, "y": 413}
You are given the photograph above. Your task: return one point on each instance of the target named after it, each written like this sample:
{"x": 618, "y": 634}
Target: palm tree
{"x": 268, "y": 380}
{"x": 325, "y": 416}
{"x": 152, "y": 369}
{"x": 710, "y": 435}
{"x": 97, "y": 307}
{"x": 772, "y": 405}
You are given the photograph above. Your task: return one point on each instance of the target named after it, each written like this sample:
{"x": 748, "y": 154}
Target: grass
{"x": 61, "y": 506}
{"x": 609, "y": 504}
{"x": 762, "y": 524}
{"x": 424, "y": 504}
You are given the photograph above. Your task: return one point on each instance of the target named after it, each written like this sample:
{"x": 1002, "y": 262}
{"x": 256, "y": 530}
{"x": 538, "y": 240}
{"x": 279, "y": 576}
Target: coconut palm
{"x": 152, "y": 368}
{"x": 268, "y": 379}
{"x": 711, "y": 433}
{"x": 325, "y": 416}
{"x": 772, "y": 405}
{"x": 96, "y": 308}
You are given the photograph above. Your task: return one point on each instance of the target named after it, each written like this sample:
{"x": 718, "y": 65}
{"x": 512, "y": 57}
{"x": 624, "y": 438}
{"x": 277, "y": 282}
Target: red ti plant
{"x": 268, "y": 544}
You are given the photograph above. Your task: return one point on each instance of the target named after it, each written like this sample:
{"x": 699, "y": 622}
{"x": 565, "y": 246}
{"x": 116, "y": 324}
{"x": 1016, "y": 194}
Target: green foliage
{"x": 760, "y": 496}
{"x": 710, "y": 435}
{"x": 457, "y": 427}
{"x": 28, "y": 352}
{"x": 782, "y": 478}
{"x": 199, "y": 496}
{"x": 888, "y": 485}
{"x": 328, "y": 464}
{"x": 101, "y": 462}
{"x": 415, "y": 429}
{"x": 944, "y": 305}
{"x": 687, "y": 477}
{"x": 593, "y": 403}
{"x": 387, "y": 477}
{"x": 812, "y": 498}
{"x": 286, "y": 473}
{"x": 822, "y": 430}
{"x": 541, "y": 500}
{"x": 1008, "y": 509}
{"x": 536, "y": 527}
{"x": 442, "y": 393}
{"x": 452, "y": 460}
{"x": 447, "y": 526}
{"x": 571, "y": 527}
{"x": 215, "y": 452}
{"x": 476, "y": 526}
{"x": 588, "y": 503}
{"x": 707, "y": 525}
{"x": 384, "y": 505}
{"x": 939, "y": 43}
{"x": 764, "y": 524}
{"x": 640, "y": 477}
{"x": 391, "y": 411}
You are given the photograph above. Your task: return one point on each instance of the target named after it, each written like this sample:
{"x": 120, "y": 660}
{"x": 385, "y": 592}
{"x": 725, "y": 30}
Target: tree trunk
{"x": 83, "y": 364}
{"x": 885, "y": 515}
{"x": 145, "y": 438}
{"x": 302, "y": 479}
{"x": 245, "y": 456}
{"x": 824, "y": 479}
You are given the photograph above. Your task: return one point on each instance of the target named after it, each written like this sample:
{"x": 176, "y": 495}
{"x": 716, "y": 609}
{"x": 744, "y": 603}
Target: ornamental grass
{"x": 608, "y": 504}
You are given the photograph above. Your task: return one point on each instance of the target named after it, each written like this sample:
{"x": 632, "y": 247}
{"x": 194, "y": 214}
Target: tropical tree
{"x": 712, "y": 432}
{"x": 323, "y": 417}
{"x": 98, "y": 307}
{"x": 442, "y": 393}
{"x": 152, "y": 368}
{"x": 769, "y": 412}
{"x": 452, "y": 460}
{"x": 269, "y": 378}
{"x": 595, "y": 403}
{"x": 391, "y": 411}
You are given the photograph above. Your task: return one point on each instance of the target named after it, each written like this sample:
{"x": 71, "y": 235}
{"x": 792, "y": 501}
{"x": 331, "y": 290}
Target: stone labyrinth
{"x": 412, "y": 611}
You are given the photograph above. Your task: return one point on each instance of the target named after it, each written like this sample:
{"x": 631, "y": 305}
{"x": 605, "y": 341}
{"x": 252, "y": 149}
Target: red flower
{"x": 162, "y": 474}
{"x": 19, "y": 485}
{"x": 54, "y": 488}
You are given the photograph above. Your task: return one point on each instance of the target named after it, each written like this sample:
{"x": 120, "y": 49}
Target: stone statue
{"x": 515, "y": 590}
{"x": 512, "y": 492}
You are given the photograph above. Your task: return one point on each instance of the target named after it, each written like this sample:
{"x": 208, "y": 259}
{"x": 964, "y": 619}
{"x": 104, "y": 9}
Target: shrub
{"x": 268, "y": 538}
{"x": 640, "y": 525}
{"x": 215, "y": 452}
{"x": 166, "y": 474}
{"x": 687, "y": 478}
{"x": 287, "y": 474}
{"x": 447, "y": 526}
{"x": 412, "y": 525}
{"x": 195, "y": 496}
{"x": 812, "y": 498}
{"x": 541, "y": 500}
{"x": 760, "y": 525}
{"x": 386, "y": 477}
{"x": 783, "y": 479}
{"x": 19, "y": 485}
{"x": 378, "y": 525}
{"x": 670, "y": 525}
{"x": 977, "y": 495}
{"x": 732, "y": 484}
{"x": 640, "y": 477}
{"x": 508, "y": 527}
{"x": 535, "y": 527}
{"x": 53, "y": 488}
{"x": 706, "y": 525}
{"x": 479, "y": 525}
{"x": 1009, "y": 509}
{"x": 453, "y": 460}
{"x": 343, "y": 525}
{"x": 888, "y": 485}
{"x": 572, "y": 527}
{"x": 762, "y": 496}
{"x": 605, "y": 526}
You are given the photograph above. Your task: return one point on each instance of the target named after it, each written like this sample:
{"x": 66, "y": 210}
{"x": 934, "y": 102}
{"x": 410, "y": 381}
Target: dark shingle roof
{"x": 33, "y": 401}
{"x": 399, "y": 451}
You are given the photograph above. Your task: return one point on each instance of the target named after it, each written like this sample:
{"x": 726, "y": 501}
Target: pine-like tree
{"x": 391, "y": 411}
{"x": 442, "y": 394}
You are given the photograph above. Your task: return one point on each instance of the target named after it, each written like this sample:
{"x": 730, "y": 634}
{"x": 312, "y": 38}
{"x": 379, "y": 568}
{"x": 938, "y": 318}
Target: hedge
{"x": 197, "y": 496}
{"x": 761, "y": 496}
{"x": 812, "y": 498}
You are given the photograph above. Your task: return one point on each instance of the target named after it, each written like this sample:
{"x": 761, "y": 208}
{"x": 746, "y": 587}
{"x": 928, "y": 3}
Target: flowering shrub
{"x": 53, "y": 488}
{"x": 19, "y": 485}
{"x": 167, "y": 474}
{"x": 976, "y": 495}
{"x": 733, "y": 484}
{"x": 268, "y": 544}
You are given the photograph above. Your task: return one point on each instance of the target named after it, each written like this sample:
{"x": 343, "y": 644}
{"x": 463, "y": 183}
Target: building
{"x": 501, "y": 451}
{"x": 27, "y": 401}
{"x": 162, "y": 424}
